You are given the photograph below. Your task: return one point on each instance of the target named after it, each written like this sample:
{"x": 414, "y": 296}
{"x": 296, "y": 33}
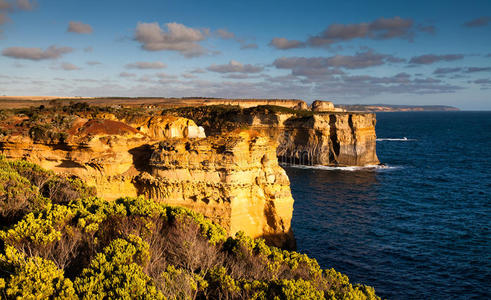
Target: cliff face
{"x": 309, "y": 138}
{"x": 322, "y": 139}
{"x": 101, "y": 152}
{"x": 233, "y": 179}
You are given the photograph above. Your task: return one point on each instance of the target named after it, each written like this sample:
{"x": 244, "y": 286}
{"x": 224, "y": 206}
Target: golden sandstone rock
{"x": 308, "y": 138}
{"x": 232, "y": 177}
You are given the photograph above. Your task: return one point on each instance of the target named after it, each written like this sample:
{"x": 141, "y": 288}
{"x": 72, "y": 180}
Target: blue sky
{"x": 397, "y": 52}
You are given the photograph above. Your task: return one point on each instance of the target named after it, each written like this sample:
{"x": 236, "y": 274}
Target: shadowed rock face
{"x": 234, "y": 179}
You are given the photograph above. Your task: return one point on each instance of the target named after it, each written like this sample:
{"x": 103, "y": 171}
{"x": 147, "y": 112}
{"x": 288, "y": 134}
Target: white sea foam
{"x": 404, "y": 139}
{"x": 349, "y": 169}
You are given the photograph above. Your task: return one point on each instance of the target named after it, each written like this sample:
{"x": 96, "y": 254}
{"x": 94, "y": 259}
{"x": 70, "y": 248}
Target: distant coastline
{"x": 392, "y": 107}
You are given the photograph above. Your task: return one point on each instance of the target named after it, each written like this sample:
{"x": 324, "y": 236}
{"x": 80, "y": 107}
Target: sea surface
{"x": 418, "y": 229}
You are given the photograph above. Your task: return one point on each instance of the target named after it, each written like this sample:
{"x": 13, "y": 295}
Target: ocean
{"x": 418, "y": 228}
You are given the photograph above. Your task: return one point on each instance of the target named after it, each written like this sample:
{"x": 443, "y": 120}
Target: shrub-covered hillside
{"x": 57, "y": 240}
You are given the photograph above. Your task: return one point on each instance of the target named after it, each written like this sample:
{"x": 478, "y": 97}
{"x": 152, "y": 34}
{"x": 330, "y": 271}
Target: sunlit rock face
{"x": 234, "y": 179}
{"x": 308, "y": 138}
{"x": 319, "y": 105}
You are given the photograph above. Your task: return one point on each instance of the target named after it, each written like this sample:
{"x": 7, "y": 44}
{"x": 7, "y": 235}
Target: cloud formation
{"x": 323, "y": 66}
{"x": 146, "y": 65}
{"x": 93, "y": 63}
{"x": 126, "y": 74}
{"x": 225, "y": 34}
{"x": 51, "y": 52}
{"x": 381, "y": 28}
{"x": 361, "y": 60}
{"x": 69, "y": 67}
{"x": 432, "y": 58}
{"x": 235, "y": 67}
{"x": 284, "y": 44}
{"x": 366, "y": 85}
{"x": 25, "y": 4}
{"x": 79, "y": 27}
{"x": 441, "y": 71}
{"x": 4, "y": 5}
{"x": 177, "y": 37}
{"x": 478, "y": 22}
{"x": 245, "y": 46}
{"x": 7, "y": 7}
{"x": 477, "y": 69}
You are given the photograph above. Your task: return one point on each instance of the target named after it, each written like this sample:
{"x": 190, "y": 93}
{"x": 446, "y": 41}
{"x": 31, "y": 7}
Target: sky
{"x": 352, "y": 52}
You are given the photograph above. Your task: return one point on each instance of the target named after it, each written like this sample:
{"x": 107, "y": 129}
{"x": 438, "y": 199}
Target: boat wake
{"x": 381, "y": 167}
{"x": 404, "y": 139}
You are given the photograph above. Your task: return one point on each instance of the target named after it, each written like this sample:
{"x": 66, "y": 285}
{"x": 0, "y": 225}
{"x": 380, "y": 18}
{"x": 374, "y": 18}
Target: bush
{"x": 118, "y": 273}
{"x": 137, "y": 248}
{"x": 17, "y": 196}
{"x": 26, "y": 187}
{"x": 32, "y": 277}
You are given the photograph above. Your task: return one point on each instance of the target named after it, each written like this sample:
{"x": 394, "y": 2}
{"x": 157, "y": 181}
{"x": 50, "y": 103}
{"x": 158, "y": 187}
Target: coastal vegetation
{"x": 58, "y": 240}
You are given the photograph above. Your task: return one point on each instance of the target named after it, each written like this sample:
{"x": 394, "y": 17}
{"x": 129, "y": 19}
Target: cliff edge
{"x": 234, "y": 179}
{"x": 303, "y": 137}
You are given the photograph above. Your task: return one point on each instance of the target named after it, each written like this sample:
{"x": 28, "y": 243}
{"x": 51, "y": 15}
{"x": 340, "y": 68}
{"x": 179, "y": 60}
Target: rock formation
{"x": 233, "y": 179}
{"x": 309, "y": 138}
{"x": 232, "y": 176}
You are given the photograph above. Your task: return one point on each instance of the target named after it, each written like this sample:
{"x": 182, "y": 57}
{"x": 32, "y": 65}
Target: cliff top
{"x": 102, "y": 127}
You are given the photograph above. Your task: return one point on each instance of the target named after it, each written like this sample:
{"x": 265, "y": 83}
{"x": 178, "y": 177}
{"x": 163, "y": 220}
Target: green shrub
{"x": 17, "y": 196}
{"x": 138, "y": 248}
{"x": 32, "y": 278}
{"x": 118, "y": 273}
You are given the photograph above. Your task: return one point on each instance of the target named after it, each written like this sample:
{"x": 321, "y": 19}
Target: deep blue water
{"x": 417, "y": 230}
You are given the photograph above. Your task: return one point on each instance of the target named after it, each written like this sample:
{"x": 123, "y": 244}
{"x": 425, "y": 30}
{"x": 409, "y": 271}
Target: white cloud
{"x": 126, "y": 74}
{"x": 225, "y": 34}
{"x": 235, "y": 66}
{"x": 284, "y": 44}
{"x": 25, "y": 4}
{"x": 79, "y": 27}
{"x": 177, "y": 37}
{"x": 69, "y": 67}
{"x": 51, "y": 52}
{"x": 146, "y": 65}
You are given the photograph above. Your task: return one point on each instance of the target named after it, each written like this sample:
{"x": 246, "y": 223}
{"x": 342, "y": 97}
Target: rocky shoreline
{"x": 219, "y": 160}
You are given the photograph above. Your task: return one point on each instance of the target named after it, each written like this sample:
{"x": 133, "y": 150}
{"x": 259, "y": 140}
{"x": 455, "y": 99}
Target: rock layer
{"x": 233, "y": 179}
{"x": 309, "y": 138}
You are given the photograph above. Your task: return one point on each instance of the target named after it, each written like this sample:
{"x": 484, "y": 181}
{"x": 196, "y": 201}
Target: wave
{"x": 349, "y": 168}
{"x": 404, "y": 139}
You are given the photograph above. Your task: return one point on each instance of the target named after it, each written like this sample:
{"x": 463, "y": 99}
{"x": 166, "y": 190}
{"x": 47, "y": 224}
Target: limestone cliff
{"x": 324, "y": 106}
{"x": 233, "y": 179}
{"x": 309, "y": 138}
